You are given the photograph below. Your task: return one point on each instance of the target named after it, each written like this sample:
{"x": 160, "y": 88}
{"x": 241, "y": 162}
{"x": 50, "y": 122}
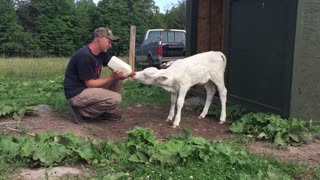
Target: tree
{"x": 144, "y": 14}
{"x": 113, "y": 14}
{"x": 14, "y": 42}
{"x": 82, "y": 23}
{"x": 59, "y": 27}
{"x": 175, "y": 17}
{"x": 53, "y": 26}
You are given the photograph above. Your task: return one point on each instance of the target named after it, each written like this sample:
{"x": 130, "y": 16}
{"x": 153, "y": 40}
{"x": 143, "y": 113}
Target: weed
{"x": 273, "y": 128}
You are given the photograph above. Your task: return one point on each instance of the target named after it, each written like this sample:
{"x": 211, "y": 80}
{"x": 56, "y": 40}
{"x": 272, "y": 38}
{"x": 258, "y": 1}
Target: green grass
{"x": 136, "y": 93}
{"x": 32, "y": 69}
{"x": 35, "y": 69}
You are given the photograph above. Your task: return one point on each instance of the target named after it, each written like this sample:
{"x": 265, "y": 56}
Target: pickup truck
{"x": 160, "y": 46}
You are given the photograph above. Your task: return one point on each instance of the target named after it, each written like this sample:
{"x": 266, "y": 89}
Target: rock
{"x": 50, "y": 173}
{"x": 43, "y": 109}
{"x": 316, "y": 136}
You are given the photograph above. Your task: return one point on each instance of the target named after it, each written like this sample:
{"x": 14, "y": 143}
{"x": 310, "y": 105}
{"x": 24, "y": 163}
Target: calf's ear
{"x": 151, "y": 72}
{"x": 162, "y": 78}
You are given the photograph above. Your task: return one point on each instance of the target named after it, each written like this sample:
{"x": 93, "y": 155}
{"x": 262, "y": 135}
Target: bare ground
{"x": 153, "y": 117}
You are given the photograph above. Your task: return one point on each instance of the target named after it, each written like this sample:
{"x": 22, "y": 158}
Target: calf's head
{"x": 150, "y": 76}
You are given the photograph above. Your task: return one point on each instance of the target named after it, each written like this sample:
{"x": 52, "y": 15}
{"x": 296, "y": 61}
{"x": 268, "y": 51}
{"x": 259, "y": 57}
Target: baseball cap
{"x": 106, "y": 32}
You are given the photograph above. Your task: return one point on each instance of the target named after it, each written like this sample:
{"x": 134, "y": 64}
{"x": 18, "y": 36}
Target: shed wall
{"x": 210, "y": 25}
{"x": 305, "y": 95}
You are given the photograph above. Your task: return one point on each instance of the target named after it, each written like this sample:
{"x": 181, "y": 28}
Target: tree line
{"x": 37, "y": 28}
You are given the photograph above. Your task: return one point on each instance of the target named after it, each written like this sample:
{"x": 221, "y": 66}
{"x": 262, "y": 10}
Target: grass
{"x": 218, "y": 167}
{"x": 39, "y": 81}
{"x": 35, "y": 69}
{"x": 32, "y": 69}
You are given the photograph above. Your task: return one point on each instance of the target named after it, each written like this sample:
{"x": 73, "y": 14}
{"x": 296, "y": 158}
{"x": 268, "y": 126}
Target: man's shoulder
{"x": 82, "y": 54}
{"x": 83, "y": 51}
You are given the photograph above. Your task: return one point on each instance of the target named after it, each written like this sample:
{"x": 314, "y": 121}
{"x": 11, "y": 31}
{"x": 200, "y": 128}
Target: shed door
{"x": 260, "y": 49}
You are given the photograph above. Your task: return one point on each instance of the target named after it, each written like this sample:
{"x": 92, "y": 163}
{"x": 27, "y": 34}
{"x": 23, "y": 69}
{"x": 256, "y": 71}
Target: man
{"x": 90, "y": 96}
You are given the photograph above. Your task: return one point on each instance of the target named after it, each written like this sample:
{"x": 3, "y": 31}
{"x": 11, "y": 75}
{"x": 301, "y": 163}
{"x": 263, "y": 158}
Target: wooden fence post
{"x": 132, "y": 48}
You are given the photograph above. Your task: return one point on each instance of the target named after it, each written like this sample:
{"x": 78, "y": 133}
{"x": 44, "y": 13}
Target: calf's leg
{"x": 173, "y": 106}
{"x": 211, "y": 90}
{"x": 223, "y": 99}
{"x": 181, "y": 95}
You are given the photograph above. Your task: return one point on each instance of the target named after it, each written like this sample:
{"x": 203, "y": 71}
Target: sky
{"x": 165, "y": 4}
{"x": 162, "y": 4}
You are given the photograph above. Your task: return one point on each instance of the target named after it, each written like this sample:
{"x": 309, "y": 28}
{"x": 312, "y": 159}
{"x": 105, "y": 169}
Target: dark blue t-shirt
{"x": 83, "y": 65}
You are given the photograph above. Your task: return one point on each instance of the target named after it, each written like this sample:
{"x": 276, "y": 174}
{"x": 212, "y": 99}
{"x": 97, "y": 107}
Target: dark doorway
{"x": 260, "y": 42}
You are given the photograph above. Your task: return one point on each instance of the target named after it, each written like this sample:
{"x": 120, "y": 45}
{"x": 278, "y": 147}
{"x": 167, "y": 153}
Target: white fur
{"x": 205, "y": 68}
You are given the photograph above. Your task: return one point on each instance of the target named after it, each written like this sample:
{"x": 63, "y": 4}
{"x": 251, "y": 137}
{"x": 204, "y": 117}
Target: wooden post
{"x": 132, "y": 48}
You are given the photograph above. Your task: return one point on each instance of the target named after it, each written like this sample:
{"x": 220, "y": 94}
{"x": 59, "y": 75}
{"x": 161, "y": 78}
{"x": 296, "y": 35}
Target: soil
{"x": 153, "y": 117}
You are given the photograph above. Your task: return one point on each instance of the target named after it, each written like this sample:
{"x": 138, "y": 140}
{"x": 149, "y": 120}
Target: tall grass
{"x": 24, "y": 68}
{"x": 35, "y": 68}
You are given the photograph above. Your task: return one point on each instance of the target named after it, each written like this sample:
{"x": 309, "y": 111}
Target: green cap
{"x": 105, "y": 32}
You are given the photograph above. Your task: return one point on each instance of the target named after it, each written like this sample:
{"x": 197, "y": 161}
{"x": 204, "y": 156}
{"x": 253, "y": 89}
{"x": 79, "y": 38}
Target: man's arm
{"x": 96, "y": 83}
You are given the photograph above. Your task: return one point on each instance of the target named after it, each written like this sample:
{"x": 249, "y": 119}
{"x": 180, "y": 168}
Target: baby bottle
{"x": 117, "y": 64}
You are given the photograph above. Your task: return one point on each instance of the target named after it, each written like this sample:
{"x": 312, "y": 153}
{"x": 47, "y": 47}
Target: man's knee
{"x": 117, "y": 98}
{"x": 112, "y": 101}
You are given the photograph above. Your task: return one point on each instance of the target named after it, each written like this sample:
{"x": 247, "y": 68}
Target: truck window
{"x": 153, "y": 36}
{"x": 180, "y": 37}
{"x": 164, "y": 36}
{"x": 173, "y": 37}
{"x": 167, "y": 36}
{"x": 170, "y": 37}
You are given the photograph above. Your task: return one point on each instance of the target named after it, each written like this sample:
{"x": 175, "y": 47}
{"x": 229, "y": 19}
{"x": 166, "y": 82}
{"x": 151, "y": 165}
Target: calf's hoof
{"x": 174, "y": 126}
{"x": 221, "y": 122}
{"x": 168, "y": 120}
{"x": 200, "y": 117}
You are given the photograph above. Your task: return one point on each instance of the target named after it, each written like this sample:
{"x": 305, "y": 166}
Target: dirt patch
{"x": 304, "y": 154}
{"x": 153, "y": 117}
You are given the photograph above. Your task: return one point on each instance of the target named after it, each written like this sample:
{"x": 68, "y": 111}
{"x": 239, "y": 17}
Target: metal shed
{"x": 273, "y": 51}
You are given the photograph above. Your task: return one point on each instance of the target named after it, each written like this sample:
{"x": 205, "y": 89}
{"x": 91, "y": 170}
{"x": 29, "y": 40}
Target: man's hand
{"x": 118, "y": 74}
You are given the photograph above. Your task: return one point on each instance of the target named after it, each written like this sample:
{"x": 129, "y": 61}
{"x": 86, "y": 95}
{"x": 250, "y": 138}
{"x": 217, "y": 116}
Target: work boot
{"x": 109, "y": 116}
{"x": 77, "y": 117}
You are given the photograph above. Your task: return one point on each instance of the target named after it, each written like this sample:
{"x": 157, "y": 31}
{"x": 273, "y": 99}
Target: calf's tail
{"x": 224, "y": 58}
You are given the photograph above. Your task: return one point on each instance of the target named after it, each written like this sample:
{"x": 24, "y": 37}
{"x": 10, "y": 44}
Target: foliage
{"x": 176, "y": 16}
{"x": 40, "y": 28}
{"x": 82, "y": 22}
{"x": 273, "y": 128}
{"x": 46, "y": 149}
{"x": 14, "y": 42}
{"x": 18, "y": 101}
{"x": 141, "y": 154}
{"x": 16, "y": 111}
{"x": 317, "y": 173}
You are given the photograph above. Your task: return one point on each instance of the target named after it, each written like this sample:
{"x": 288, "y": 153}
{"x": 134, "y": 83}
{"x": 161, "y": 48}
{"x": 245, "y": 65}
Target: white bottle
{"x": 117, "y": 64}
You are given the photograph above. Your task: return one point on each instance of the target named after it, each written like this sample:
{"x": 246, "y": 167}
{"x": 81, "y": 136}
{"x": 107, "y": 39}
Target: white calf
{"x": 205, "y": 68}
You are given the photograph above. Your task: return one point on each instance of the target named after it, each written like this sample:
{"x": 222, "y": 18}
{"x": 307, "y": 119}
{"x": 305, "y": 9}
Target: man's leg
{"x": 93, "y": 102}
